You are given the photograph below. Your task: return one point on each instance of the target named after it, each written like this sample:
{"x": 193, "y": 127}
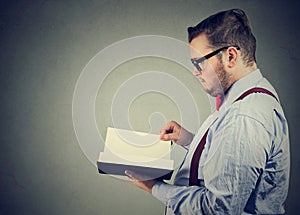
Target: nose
{"x": 196, "y": 72}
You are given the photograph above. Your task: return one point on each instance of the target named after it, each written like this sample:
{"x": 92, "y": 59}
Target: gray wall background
{"x": 44, "y": 47}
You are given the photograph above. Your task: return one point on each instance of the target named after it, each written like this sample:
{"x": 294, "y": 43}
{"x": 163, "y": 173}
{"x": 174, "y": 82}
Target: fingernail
{"x": 127, "y": 172}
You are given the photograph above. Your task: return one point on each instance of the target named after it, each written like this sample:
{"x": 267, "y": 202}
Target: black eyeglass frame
{"x": 197, "y": 61}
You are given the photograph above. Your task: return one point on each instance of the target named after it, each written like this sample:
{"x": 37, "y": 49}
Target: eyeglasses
{"x": 196, "y": 62}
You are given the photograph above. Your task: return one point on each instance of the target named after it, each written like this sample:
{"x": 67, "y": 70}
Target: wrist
{"x": 150, "y": 185}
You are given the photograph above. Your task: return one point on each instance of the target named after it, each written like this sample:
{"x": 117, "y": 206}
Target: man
{"x": 244, "y": 166}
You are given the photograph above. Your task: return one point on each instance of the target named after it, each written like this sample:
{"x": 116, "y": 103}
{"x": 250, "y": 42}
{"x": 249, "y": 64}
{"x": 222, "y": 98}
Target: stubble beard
{"x": 223, "y": 81}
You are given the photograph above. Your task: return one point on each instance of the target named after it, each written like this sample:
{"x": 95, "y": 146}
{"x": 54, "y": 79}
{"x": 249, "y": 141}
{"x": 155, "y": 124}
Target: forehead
{"x": 199, "y": 46}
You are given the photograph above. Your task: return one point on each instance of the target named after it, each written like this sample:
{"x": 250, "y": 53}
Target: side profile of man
{"x": 238, "y": 162}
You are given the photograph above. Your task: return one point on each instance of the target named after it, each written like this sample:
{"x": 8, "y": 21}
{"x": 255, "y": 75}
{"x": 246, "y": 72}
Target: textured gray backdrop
{"x": 44, "y": 47}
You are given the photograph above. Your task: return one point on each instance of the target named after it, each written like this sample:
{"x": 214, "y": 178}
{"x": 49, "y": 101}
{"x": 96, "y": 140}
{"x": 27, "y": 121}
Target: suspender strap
{"x": 256, "y": 90}
{"x": 193, "y": 180}
{"x": 195, "y": 161}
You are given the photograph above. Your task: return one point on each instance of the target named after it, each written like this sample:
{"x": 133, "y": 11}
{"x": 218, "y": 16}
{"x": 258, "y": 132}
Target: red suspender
{"x": 193, "y": 180}
{"x": 195, "y": 161}
{"x": 256, "y": 90}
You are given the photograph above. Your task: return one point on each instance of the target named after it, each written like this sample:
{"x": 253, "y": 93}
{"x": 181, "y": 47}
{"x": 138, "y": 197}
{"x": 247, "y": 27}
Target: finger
{"x": 137, "y": 177}
{"x": 133, "y": 176}
{"x": 165, "y": 137}
{"x": 173, "y": 136}
{"x": 129, "y": 174}
{"x": 130, "y": 179}
{"x": 167, "y": 133}
{"x": 162, "y": 132}
{"x": 168, "y": 128}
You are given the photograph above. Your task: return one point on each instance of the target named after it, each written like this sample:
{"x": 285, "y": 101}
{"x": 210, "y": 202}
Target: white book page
{"x": 135, "y": 146}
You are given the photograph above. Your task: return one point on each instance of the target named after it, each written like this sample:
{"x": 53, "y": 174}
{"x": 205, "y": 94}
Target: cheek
{"x": 212, "y": 82}
{"x": 210, "y": 75}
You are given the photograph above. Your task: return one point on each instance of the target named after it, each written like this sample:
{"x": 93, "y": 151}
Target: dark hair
{"x": 229, "y": 27}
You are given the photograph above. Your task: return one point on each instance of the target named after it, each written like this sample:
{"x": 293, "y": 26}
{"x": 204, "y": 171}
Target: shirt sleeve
{"x": 187, "y": 138}
{"x": 237, "y": 155}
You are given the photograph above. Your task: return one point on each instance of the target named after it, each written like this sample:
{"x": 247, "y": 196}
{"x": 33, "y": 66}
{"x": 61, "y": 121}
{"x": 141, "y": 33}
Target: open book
{"x": 144, "y": 154}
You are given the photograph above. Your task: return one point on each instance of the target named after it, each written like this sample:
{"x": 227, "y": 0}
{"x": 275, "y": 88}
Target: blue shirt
{"x": 244, "y": 167}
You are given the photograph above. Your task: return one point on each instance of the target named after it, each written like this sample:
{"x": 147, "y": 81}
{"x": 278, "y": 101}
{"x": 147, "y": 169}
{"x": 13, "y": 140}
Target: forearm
{"x": 181, "y": 199}
{"x": 197, "y": 200}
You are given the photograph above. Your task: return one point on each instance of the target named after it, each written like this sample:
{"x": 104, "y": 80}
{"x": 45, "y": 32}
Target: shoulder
{"x": 259, "y": 107}
{"x": 255, "y": 105}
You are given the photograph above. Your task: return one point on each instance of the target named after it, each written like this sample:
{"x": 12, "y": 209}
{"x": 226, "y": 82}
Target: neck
{"x": 248, "y": 70}
{"x": 242, "y": 72}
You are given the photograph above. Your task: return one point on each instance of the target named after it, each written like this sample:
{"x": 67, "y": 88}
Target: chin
{"x": 210, "y": 92}
{"x": 214, "y": 92}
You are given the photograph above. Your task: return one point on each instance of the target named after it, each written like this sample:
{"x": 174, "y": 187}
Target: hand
{"x": 139, "y": 182}
{"x": 173, "y": 131}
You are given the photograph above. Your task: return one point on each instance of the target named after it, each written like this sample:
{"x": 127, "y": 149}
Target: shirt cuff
{"x": 187, "y": 147}
{"x": 160, "y": 191}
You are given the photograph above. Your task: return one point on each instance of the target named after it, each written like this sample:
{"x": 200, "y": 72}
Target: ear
{"x": 231, "y": 57}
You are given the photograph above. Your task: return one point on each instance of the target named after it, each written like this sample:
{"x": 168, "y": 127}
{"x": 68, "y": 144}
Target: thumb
{"x": 171, "y": 136}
